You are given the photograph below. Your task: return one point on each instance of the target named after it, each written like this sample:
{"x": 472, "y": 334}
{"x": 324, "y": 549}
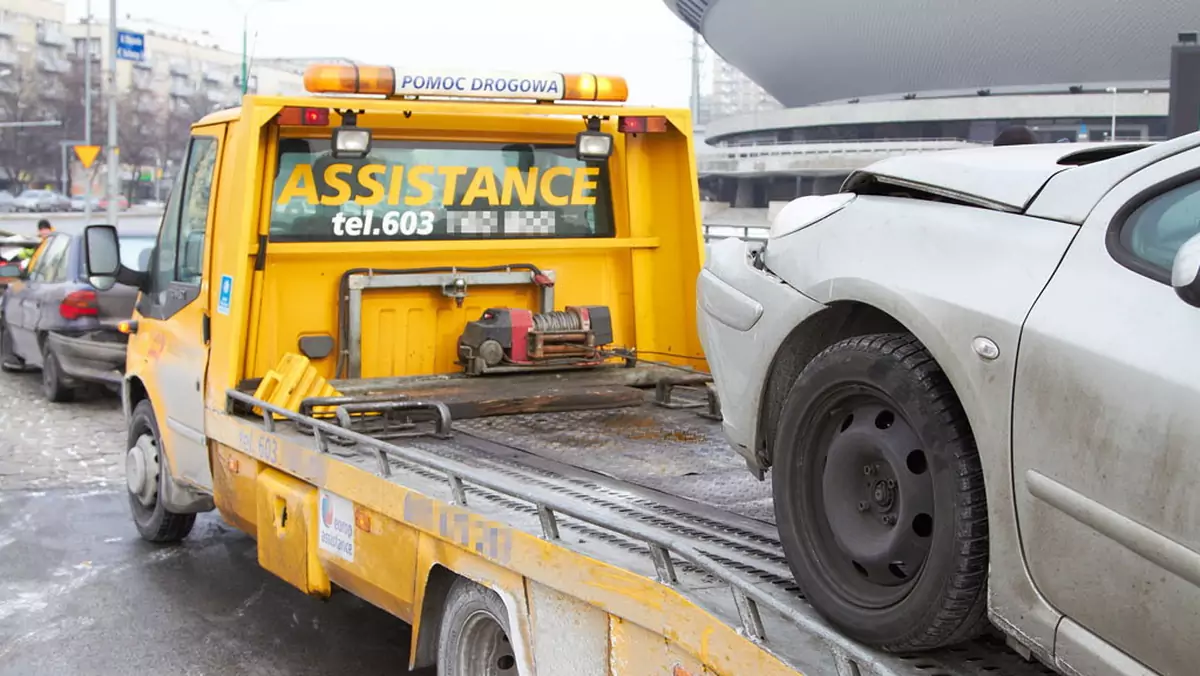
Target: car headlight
{"x": 804, "y": 211}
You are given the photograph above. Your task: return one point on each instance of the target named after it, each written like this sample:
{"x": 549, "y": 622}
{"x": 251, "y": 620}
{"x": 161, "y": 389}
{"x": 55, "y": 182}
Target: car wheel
{"x": 474, "y": 637}
{"x": 9, "y": 360}
{"x": 144, "y": 479}
{"x": 54, "y": 386}
{"x": 879, "y": 496}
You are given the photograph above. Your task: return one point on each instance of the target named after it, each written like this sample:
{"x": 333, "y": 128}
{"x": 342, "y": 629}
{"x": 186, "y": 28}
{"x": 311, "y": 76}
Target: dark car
{"x": 52, "y": 318}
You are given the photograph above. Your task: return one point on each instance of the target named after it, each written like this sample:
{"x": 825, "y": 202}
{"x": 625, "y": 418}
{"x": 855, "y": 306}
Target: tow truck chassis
{"x": 727, "y": 564}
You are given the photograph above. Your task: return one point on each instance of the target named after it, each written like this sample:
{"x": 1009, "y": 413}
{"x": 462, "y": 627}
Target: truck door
{"x": 174, "y": 311}
{"x": 1105, "y": 429}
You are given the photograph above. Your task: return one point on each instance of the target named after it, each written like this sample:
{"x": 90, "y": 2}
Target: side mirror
{"x": 1185, "y": 272}
{"x": 102, "y": 255}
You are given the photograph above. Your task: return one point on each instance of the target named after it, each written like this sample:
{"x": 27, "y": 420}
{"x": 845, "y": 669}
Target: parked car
{"x": 971, "y": 376}
{"x": 122, "y": 202}
{"x": 54, "y": 320}
{"x": 6, "y": 201}
{"x": 41, "y": 200}
{"x": 79, "y": 203}
{"x": 11, "y": 264}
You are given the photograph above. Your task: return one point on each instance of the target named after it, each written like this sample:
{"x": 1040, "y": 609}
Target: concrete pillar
{"x": 745, "y": 193}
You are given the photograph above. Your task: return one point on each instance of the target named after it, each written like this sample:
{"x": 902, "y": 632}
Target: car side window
{"x": 1155, "y": 230}
{"x": 50, "y": 261}
{"x": 195, "y": 201}
{"x": 177, "y": 255}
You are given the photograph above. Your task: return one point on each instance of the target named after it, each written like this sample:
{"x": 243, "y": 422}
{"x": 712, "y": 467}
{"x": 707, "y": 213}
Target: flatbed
{"x": 646, "y": 489}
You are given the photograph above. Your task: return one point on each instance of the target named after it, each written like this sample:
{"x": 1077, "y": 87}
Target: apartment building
{"x": 184, "y": 74}
{"x": 733, "y": 93}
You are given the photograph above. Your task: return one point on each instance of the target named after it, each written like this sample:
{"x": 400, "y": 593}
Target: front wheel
{"x": 879, "y": 496}
{"x": 145, "y": 476}
{"x": 473, "y": 640}
{"x": 9, "y": 361}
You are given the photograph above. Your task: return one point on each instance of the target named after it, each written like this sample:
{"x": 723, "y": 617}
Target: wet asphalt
{"x": 82, "y": 595}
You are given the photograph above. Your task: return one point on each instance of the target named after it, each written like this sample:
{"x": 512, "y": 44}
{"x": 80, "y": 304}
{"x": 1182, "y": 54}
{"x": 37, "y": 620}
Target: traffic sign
{"x": 131, "y": 46}
{"x": 87, "y": 155}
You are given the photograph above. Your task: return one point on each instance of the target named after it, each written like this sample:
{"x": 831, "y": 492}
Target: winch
{"x": 510, "y": 339}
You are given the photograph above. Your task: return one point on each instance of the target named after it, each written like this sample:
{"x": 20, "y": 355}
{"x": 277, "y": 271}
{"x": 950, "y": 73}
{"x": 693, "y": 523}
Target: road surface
{"x": 81, "y": 594}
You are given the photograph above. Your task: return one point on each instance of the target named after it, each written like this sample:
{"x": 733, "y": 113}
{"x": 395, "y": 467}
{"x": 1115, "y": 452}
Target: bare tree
{"x": 27, "y": 154}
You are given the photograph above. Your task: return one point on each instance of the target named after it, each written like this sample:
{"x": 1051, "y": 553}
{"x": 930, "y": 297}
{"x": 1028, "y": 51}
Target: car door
{"x": 31, "y": 296}
{"x": 1106, "y": 431}
{"x": 174, "y": 310}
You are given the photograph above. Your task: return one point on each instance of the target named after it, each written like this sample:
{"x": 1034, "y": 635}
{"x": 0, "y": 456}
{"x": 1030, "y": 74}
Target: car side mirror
{"x": 1185, "y": 272}
{"x": 102, "y": 255}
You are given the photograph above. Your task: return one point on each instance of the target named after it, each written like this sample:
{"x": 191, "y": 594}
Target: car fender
{"x": 953, "y": 276}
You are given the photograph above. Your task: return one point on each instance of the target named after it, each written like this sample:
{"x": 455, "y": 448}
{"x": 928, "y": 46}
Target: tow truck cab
{"x": 386, "y": 228}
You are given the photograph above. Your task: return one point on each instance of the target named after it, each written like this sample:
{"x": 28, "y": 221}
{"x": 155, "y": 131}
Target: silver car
{"x": 971, "y": 377}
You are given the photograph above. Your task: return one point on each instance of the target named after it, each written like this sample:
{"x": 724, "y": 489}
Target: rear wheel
{"x": 145, "y": 476}
{"x": 54, "y": 382}
{"x": 473, "y": 640}
{"x": 879, "y": 496}
{"x": 9, "y": 360}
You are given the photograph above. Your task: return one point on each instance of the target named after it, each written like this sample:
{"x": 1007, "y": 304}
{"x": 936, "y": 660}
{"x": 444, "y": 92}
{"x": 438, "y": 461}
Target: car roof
{"x": 1005, "y": 177}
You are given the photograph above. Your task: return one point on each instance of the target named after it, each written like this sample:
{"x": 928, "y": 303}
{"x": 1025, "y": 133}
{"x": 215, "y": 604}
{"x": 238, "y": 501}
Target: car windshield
{"x": 135, "y": 252}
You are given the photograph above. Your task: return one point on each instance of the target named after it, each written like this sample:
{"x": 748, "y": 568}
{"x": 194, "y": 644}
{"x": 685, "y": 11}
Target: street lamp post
{"x": 87, "y": 112}
{"x": 1112, "y": 133}
{"x": 114, "y": 171}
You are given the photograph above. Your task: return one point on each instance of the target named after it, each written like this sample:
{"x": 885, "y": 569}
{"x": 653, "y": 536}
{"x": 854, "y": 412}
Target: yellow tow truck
{"x": 429, "y": 337}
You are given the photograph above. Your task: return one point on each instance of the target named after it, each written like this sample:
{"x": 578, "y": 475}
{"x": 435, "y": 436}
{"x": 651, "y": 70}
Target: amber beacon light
{"x": 449, "y": 83}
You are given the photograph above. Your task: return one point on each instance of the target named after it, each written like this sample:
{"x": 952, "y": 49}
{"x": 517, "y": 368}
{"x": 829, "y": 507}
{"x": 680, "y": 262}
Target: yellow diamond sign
{"x": 87, "y": 155}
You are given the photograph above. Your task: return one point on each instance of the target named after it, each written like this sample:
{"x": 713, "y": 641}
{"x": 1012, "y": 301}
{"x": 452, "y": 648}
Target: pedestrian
{"x": 44, "y": 229}
{"x": 1016, "y": 135}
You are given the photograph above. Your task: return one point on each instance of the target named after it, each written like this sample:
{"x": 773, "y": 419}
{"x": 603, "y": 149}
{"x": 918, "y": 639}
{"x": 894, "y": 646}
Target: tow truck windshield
{"x": 438, "y": 190}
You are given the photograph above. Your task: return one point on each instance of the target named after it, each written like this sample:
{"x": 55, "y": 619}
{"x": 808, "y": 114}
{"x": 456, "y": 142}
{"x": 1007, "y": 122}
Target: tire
{"x": 473, "y": 638}
{"x": 154, "y": 522}
{"x": 879, "y": 496}
{"x": 54, "y": 384}
{"x": 9, "y": 360}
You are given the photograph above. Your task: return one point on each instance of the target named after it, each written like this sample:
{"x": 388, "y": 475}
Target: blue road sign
{"x": 131, "y": 46}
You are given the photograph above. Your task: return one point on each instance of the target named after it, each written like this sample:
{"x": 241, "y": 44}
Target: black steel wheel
{"x": 9, "y": 360}
{"x": 879, "y": 496}
{"x": 144, "y": 478}
{"x": 54, "y": 382}
{"x": 474, "y": 637}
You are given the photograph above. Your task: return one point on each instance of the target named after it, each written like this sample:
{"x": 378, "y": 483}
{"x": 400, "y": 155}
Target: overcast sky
{"x": 639, "y": 39}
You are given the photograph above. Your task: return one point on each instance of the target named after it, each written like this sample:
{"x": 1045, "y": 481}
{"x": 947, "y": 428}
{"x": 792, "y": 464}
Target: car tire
{"x": 474, "y": 634}
{"x": 9, "y": 361}
{"x": 54, "y": 385}
{"x": 879, "y": 496}
{"x": 155, "y": 523}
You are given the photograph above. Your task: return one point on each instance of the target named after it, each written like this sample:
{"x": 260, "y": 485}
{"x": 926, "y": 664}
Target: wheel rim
{"x": 49, "y": 374}
{"x": 484, "y": 648}
{"x": 143, "y": 498}
{"x": 873, "y": 495}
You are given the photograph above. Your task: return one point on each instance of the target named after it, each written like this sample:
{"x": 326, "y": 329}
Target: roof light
{"x": 349, "y": 79}
{"x": 641, "y": 125}
{"x": 537, "y": 86}
{"x": 593, "y": 146}
{"x": 351, "y": 142}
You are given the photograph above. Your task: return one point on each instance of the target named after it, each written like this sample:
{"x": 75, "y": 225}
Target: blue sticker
{"x": 226, "y": 295}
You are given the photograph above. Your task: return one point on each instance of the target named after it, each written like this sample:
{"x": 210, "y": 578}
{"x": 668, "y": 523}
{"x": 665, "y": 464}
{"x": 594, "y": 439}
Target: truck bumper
{"x": 90, "y": 357}
{"x": 745, "y": 314}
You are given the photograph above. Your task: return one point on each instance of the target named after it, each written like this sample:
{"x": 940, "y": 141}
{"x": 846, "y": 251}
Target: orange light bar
{"x": 589, "y": 87}
{"x": 350, "y": 79}
{"x": 331, "y": 78}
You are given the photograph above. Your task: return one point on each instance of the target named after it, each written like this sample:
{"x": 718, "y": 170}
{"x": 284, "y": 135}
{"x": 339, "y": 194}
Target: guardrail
{"x": 748, "y": 144}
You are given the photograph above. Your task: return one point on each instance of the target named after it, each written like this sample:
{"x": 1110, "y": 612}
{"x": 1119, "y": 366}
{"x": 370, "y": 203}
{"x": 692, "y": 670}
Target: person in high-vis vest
{"x": 44, "y": 231}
